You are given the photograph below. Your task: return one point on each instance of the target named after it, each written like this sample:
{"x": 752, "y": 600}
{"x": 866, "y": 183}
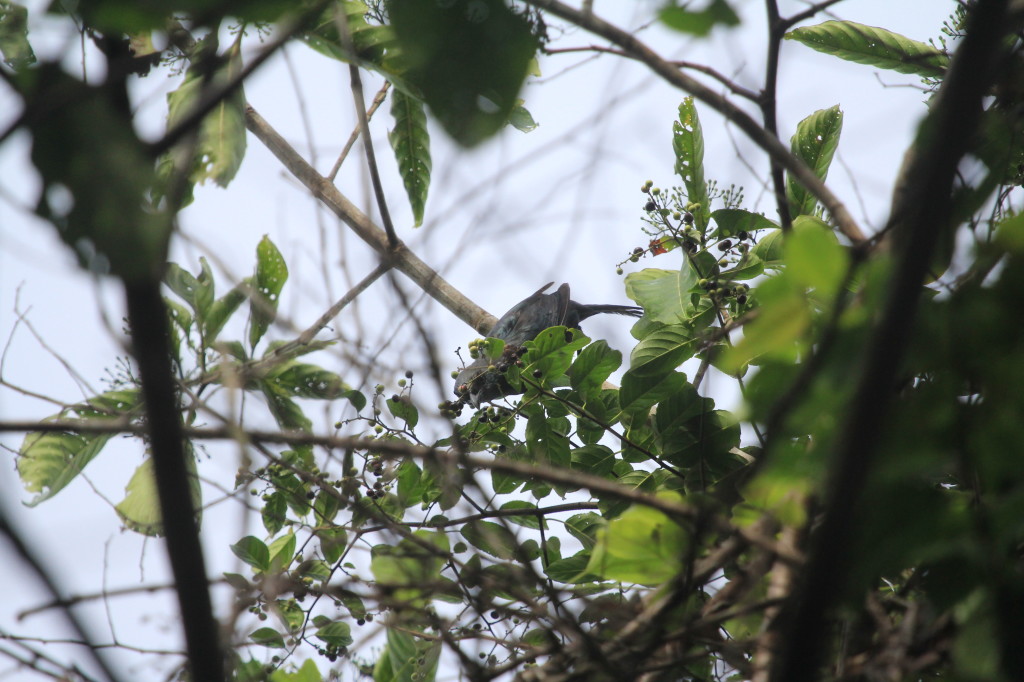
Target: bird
{"x": 522, "y": 323}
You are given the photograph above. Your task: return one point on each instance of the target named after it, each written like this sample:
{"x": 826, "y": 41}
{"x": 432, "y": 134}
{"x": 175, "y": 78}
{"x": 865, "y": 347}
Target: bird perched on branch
{"x": 523, "y": 323}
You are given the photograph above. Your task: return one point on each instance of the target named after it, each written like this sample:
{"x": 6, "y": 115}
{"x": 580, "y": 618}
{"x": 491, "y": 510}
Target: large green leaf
{"x": 469, "y": 59}
{"x": 49, "y": 460}
{"x": 219, "y": 148}
{"x": 732, "y": 221}
{"x": 376, "y": 47}
{"x": 875, "y": 46}
{"x": 814, "y": 257}
{"x": 642, "y": 546}
{"x": 688, "y": 145}
{"x": 407, "y": 659}
{"x": 410, "y": 141}
{"x": 252, "y": 551}
{"x": 140, "y": 508}
{"x": 665, "y": 295}
{"x": 14, "y": 45}
{"x": 271, "y": 274}
{"x": 493, "y": 538}
{"x": 814, "y": 143}
{"x": 593, "y": 366}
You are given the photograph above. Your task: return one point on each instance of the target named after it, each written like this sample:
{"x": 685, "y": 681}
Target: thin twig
{"x": 377, "y": 101}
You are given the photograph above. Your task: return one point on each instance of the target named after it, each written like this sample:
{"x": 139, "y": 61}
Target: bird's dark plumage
{"x": 522, "y": 323}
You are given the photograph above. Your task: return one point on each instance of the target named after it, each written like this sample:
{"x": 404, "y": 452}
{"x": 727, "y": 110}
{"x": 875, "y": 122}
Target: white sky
{"x": 561, "y": 203}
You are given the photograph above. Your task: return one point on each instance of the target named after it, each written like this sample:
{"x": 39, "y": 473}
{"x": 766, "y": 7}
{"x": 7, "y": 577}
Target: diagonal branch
{"x": 399, "y": 256}
{"x": 670, "y": 72}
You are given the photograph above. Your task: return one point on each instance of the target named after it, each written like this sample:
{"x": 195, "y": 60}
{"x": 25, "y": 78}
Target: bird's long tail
{"x": 590, "y": 310}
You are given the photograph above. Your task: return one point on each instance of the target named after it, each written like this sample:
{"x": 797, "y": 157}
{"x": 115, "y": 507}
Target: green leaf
{"x": 287, "y": 414}
{"x": 495, "y": 539}
{"x": 642, "y": 546}
{"x": 404, "y": 409}
{"x": 875, "y": 46}
{"x": 282, "y": 551}
{"x": 332, "y": 543}
{"x": 699, "y": 23}
{"x": 784, "y": 321}
{"x": 732, "y": 221}
{"x": 275, "y": 509}
{"x": 376, "y": 47}
{"x": 268, "y": 637}
{"x": 814, "y": 257}
{"x": 337, "y": 634}
{"x": 410, "y": 141}
{"x": 594, "y": 459}
{"x": 223, "y": 308}
{"x": 814, "y": 143}
{"x": 140, "y": 508}
{"x": 571, "y": 569}
{"x": 664, "y": 294}
{"x": 584, "y": 527}
{"x": 468, "y": 59}
{"x": 527, "y": 520}
{"x": 521, "y": 119}
{"x": 769, "y": 249}
{"x": 196, "y": 291}
{"x": 292, "y": 613}
{"x": 220, "y": 145}
{"x": 252, "y": 551}
{"x": 302, "y": 380}
{"x": 639, "y": 392}
{"x": 14, "y": 45}
{"x": 593, "y": 366}
{"x": 48, "y": 461}
{"x": 411, "y": 569}
{"x": 307, "y": 672}
{"x": 661, "y": 351}
{"x": 407, "y": 658}
{"x": 271, "y": 274}
{"x": 688, "y": 145}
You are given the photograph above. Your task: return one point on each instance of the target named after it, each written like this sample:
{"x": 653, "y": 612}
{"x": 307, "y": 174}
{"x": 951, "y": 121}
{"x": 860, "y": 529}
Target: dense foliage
{"x": 860, "y": 519}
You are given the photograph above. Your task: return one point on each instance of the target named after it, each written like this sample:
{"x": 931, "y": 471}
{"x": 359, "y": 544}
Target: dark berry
{"x": 724, "y": 245}
{"x": 650, "y": 206}
{"x": 537, "y": 374}
{"x": 408, "y": 374}
{"x": 741, "y": 299}
{"x": 638, "y": 250}
{"x": 742, "y": 235}
{"x": 688, "y": 218}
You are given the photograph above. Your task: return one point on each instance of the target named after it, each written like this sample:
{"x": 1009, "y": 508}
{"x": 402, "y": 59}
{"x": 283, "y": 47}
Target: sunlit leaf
{"x": 271, "y": 274}
{"x": 814, "y": 143}
{"x": 688, "y": 145}
{"x": 410, "y": 141}
{"x": 874, "y": 46}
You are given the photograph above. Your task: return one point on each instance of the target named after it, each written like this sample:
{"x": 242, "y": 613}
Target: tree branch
{"x": 399, "y": 256}
{"x": 667, "y": 70}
